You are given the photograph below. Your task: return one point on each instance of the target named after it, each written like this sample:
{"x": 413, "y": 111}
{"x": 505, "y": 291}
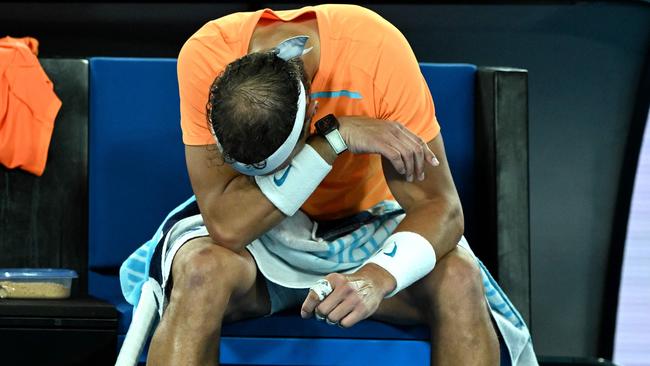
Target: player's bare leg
{"x": 210, "y": 284}
{"x": 451, "y": 300}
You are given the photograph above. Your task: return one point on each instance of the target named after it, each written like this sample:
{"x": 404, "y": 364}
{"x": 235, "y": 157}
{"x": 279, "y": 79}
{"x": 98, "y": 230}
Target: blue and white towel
{"x": 291, "y": 255}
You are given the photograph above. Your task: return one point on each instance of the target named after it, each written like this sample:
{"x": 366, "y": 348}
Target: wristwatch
{"x": 328, "y": 127}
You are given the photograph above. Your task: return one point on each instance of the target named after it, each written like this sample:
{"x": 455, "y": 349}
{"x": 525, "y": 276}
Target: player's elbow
{"x": 224, "y": 235}
{"x": 450, "y": 213}
{"x": 456, "y": 218}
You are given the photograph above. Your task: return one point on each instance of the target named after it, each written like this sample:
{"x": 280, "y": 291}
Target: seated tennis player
{"x": 321, "y": 184}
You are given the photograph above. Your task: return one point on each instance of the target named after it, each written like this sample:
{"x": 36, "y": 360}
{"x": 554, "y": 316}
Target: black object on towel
{"x": 333, "y": 229}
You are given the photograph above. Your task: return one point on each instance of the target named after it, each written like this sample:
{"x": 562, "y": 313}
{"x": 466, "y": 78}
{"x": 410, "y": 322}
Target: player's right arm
{"x": 234, "y": 210}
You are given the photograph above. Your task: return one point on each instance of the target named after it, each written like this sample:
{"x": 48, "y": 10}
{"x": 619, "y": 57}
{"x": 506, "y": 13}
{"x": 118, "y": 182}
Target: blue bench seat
{"x": 137, "y": 175}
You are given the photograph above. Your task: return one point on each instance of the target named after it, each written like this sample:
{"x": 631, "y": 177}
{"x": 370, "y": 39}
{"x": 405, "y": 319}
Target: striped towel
{"x": 292, "y": 255}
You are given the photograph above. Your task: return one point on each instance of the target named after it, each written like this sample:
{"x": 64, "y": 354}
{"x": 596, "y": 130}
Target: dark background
{"x": 586, "y": 61}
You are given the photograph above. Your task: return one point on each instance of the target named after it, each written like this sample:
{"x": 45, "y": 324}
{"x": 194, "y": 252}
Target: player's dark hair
{"x": 253, "y": 103}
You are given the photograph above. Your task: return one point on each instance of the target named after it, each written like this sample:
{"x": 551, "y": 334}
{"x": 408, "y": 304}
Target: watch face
{"x": 327, "y": 124}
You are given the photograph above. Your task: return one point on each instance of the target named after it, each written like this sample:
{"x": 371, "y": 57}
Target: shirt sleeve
{"x": 401, "y": 92}
{"x": 198, "y": 66}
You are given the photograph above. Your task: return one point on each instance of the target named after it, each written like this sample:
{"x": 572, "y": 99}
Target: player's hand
{"x": 404, "y": 149}
{"x": 353, "y": 298}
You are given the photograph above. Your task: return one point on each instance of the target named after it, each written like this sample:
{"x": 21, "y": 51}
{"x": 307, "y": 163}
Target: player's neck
{"x": 268, "y": 34}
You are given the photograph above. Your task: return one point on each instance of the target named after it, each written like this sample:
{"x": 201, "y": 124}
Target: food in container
{"x": 35, "y": 283}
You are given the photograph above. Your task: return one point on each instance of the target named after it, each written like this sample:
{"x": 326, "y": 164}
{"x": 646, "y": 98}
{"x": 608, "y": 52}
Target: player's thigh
{"x": 222, "y": 269}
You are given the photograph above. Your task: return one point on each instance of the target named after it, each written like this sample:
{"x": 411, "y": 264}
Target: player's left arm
{"x": 404, "y": 119}
{"x": 432, "y": 205}
{"x": 433, "y": 210}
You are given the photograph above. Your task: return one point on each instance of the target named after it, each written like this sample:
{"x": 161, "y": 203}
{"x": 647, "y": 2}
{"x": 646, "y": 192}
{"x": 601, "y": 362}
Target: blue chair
{"x": 137, "y": 175}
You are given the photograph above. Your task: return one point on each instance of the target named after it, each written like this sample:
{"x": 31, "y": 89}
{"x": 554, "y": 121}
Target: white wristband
{"x": 407, "y": 256}
{"x": 290, "y": 187}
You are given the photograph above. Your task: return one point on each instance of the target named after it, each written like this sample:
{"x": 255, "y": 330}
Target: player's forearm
{"x": 442, "y": 233}
{"x": 439, "y": 220}
{"x": 244, "y": 212}
{"x": 240, "y": 214}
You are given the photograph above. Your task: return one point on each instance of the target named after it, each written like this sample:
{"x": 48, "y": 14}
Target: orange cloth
{"x": 366, "y": 68}
{"x": 28, "y": 106}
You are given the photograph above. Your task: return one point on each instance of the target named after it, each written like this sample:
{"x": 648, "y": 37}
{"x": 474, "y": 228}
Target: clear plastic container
{"x": 35, "y": 283}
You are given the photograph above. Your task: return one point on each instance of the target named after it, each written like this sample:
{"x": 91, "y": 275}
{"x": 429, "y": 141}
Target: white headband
{"x": 286, "y": 50}
{"x": 280, "y": 155}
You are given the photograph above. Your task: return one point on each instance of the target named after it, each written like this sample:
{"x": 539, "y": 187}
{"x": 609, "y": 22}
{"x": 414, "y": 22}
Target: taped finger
{"x": 308, "y": 306}
{"x": 322, "y": 289}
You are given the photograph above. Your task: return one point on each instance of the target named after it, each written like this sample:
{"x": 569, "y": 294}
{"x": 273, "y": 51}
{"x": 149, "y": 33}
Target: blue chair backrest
{"x": 137, "y": 170}
{"x": 136, "y": 160}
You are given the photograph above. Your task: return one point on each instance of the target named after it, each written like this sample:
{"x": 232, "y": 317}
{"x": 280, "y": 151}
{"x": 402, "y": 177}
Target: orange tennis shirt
{"x": 28, "y": 106}
{"x": 366, "y": 68}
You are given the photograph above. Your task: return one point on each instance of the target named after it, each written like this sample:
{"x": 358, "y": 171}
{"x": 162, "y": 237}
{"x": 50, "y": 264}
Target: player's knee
{"x": 458, "y": 286}
{"x": 210, "y": 269}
